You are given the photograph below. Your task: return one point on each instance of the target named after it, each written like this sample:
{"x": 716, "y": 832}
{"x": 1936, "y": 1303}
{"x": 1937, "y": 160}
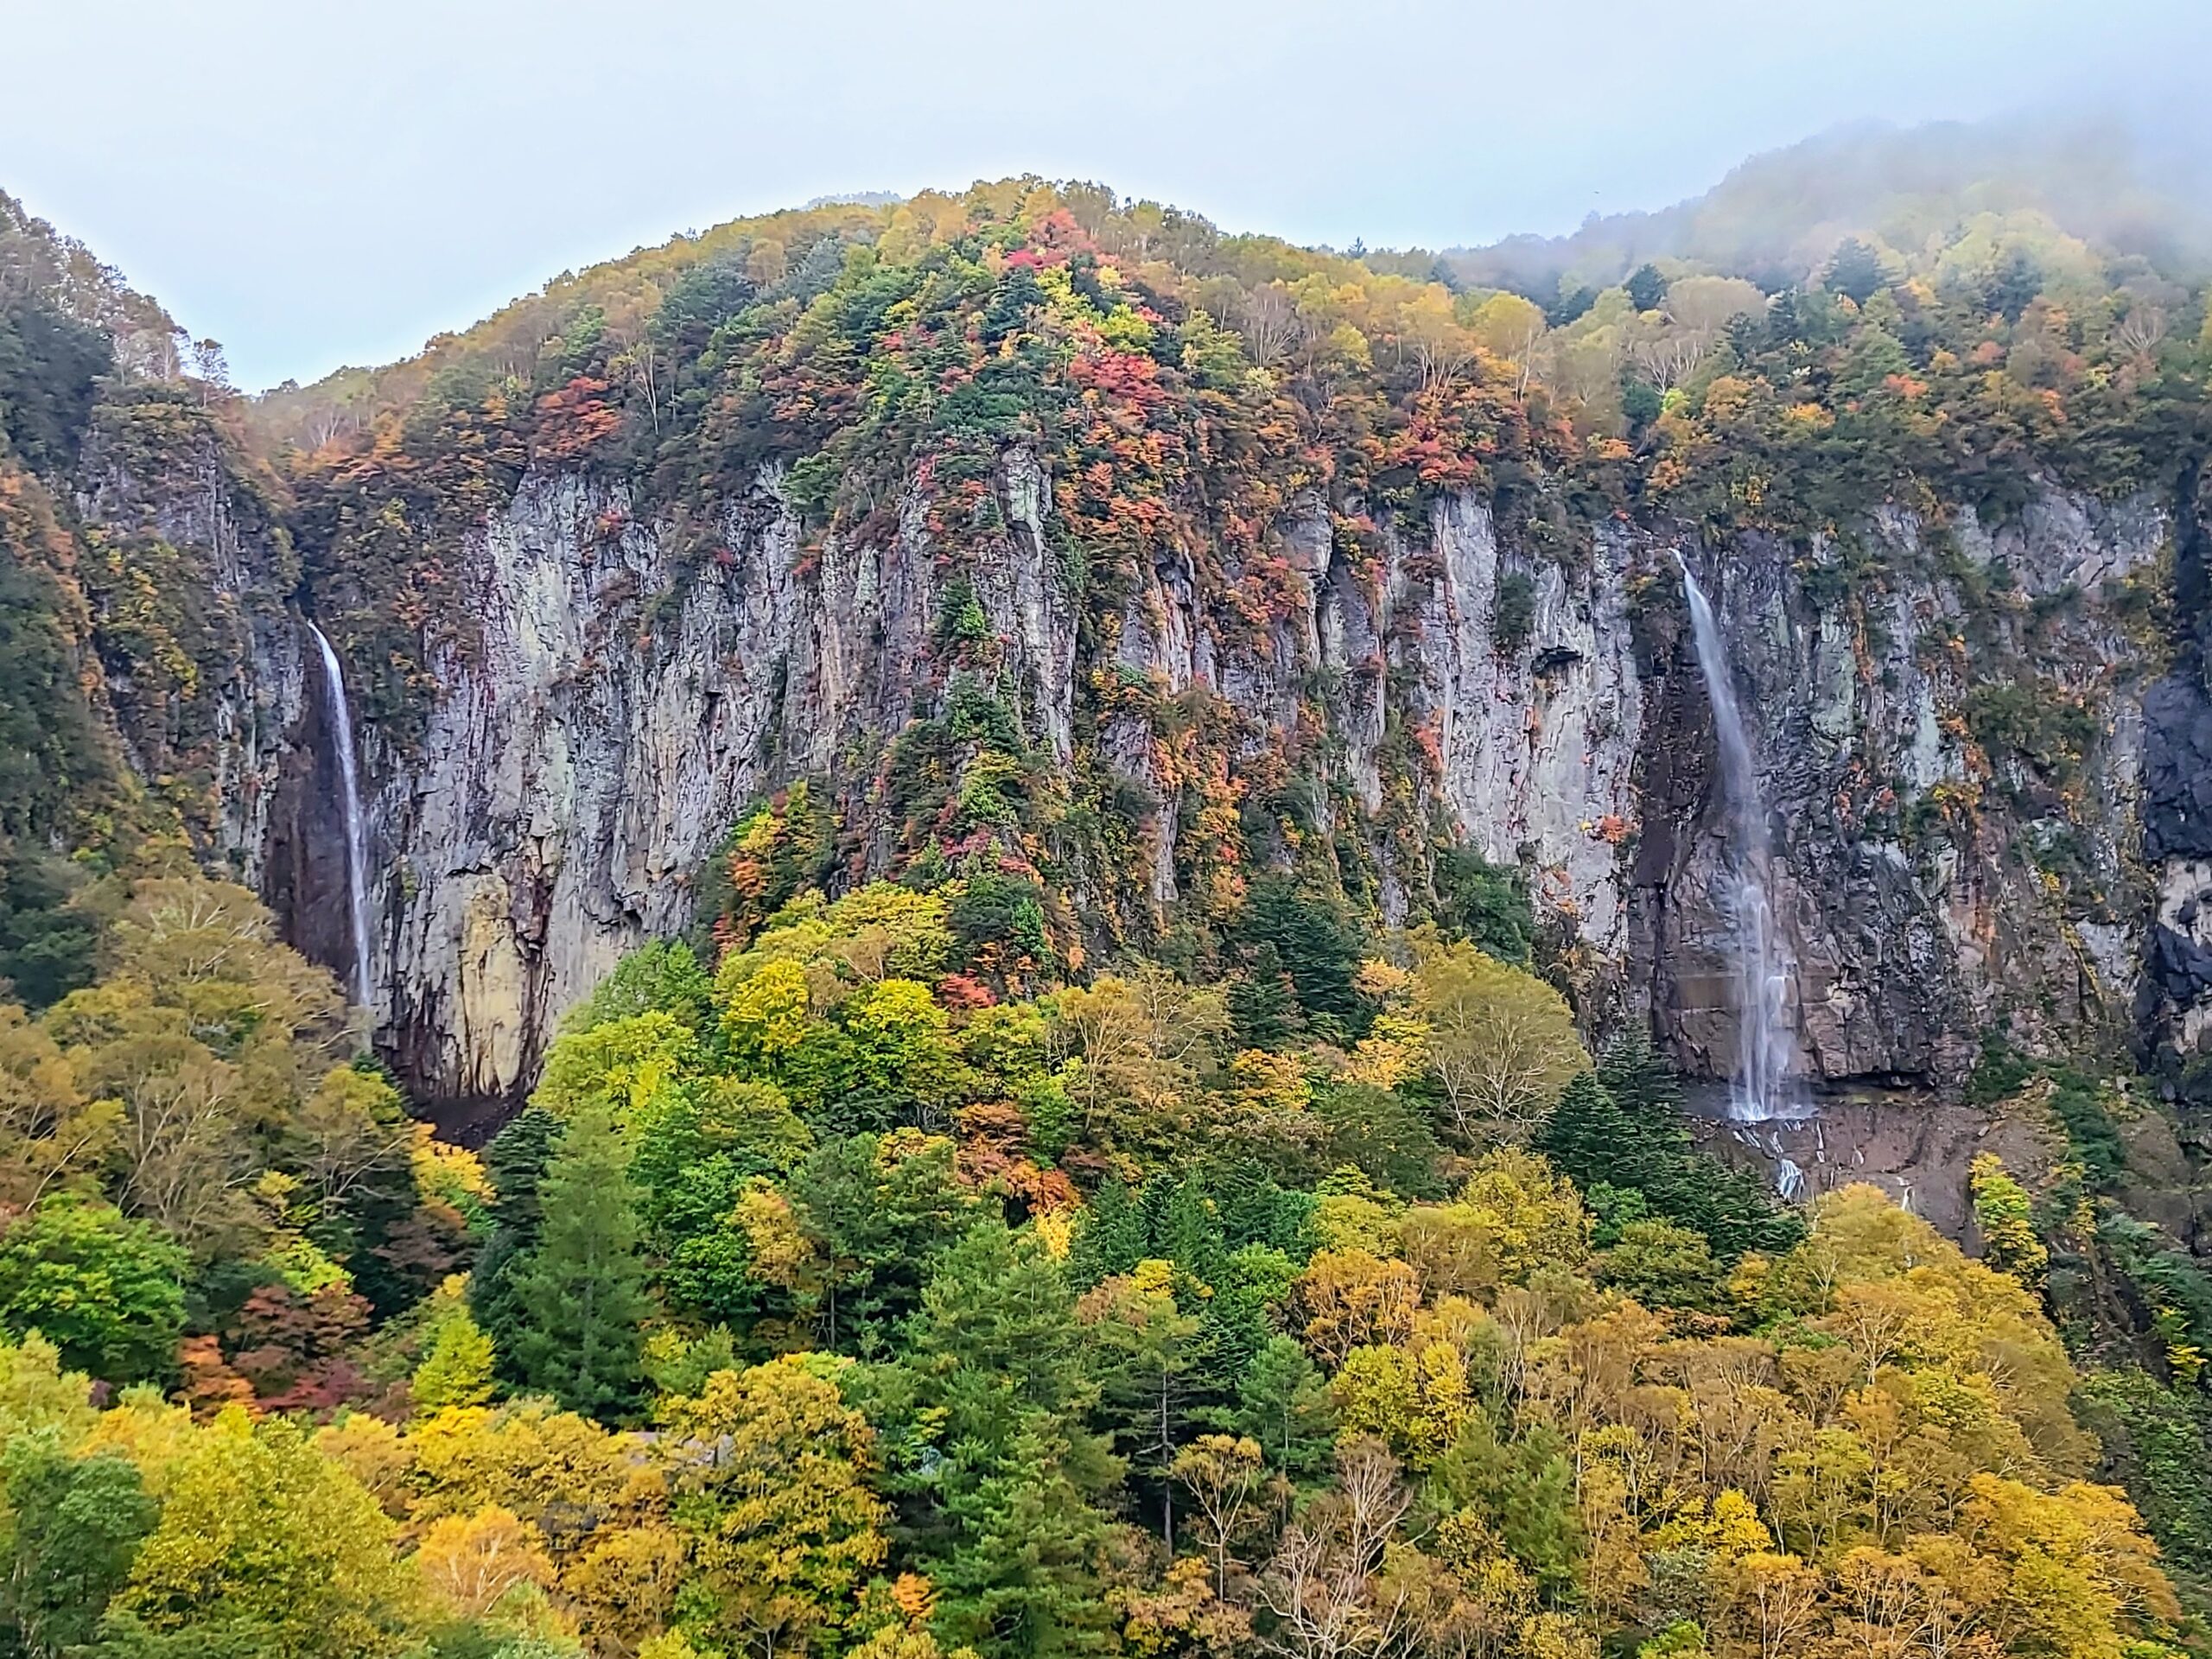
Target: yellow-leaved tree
{"x": 771, "y": 1472}
{"x": 260, "y": 1531}
{"x": 1501, "y": 1044}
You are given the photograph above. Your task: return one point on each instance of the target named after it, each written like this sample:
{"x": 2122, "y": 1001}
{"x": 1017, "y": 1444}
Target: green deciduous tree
{"x": 459, "y": 1365}
{"x": 1381, "y": 1133}
{"x": 50, "y": 1134}
{"x": 107, "y": 1291}
{"x": 619, "y": 1066}
{"x": 2002, "y": 1212}
{"x": 877, "y": 1209}
{"x": 1663, "y": 1264}
{"x": 662, "y": 978}
{"x": 74, "y": 1524}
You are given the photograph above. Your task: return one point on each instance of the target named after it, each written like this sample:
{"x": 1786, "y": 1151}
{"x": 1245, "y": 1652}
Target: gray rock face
{"x": 621, "y": 708}
{"x": 2177, "y": 769}
{"x": 1531, "y": 756}
{"x": 239, "y": 733}
{"x": 616, "y": 716}
{"x": 1537, "y": 749}
{"x": 1921, "y": 878}
{"x": 575, "y": 773}
{"x": 2174, "y": 1000}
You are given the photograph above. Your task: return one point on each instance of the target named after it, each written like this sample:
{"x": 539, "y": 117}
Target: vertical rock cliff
{"x": 1953, "y": 759}
{"x": 202, "y": 661}
{"x": 2174, "y": 995}
{"x": 1952, "y": 742}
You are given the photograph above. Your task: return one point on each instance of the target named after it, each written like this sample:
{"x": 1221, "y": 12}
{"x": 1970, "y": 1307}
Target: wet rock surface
{"x": 1914, "y": 921}
{"x": 1916, "y": 1145}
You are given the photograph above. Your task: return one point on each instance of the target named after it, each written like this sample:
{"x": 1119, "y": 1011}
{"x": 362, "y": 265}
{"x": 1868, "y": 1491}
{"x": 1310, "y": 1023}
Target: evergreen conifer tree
{"x": 580, "y": 1293}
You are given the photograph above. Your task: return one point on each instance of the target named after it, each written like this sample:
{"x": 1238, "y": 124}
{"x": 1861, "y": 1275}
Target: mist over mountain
{"x": 2141, "y": 188}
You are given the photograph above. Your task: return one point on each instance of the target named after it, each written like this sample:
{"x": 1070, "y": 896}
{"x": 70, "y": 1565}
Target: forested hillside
{"x": 808, "y": 1310}
{"x": 127, "y": 491}
{"x": 1064, "y": 870}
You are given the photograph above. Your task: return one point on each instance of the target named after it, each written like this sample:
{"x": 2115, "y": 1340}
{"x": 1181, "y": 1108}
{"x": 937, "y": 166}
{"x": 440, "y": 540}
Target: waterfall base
{"x": 1915, "y": 1146}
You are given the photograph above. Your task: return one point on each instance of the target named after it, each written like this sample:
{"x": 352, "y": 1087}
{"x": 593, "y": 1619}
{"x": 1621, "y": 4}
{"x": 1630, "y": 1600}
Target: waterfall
{"x": 356, "y": 845}
{"x": 1764, "y": 970}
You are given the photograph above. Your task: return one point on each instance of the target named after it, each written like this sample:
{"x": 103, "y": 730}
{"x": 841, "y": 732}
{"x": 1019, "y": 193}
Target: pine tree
{"x": 1311, "y": 937}
{"x": 1855, "y": 272}
{"x": 579, "y": 1295}
{"x": 996, "y": 1380}
{"x": 1185, "y": 1228}
{"x": 1625, "y": 1133}
{"x": 1143, "y": 1349}
{"x": 1639, "y": 1081}
{"x": 1646, "y": 289}
{"x": 1111, "y": 1239}
{"x": 516, "y": 1161}
{"x": 1283, "y": 1402}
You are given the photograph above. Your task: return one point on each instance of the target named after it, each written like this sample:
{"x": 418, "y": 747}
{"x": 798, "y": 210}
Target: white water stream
{"x": 357, "y": 852}
{"x": 1766, "y": 1047}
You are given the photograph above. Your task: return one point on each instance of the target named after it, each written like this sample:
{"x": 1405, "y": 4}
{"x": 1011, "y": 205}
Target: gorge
{"x": 991, "y": 926}
{"x": 585, "y": 653}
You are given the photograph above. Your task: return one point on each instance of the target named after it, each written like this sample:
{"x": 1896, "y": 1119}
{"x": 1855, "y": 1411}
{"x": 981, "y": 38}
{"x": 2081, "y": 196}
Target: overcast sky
{"x": 316, "y": 184}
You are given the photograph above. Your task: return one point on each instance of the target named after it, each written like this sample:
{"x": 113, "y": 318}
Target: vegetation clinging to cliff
{"x": 1183, "y": 385}
{"x": 891, "y": 371}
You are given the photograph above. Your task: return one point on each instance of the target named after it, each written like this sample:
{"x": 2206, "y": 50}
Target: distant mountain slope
{"x": 1778, "y": 216}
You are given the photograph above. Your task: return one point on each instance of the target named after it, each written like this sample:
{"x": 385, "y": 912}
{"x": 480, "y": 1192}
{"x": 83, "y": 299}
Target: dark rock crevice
{"x": 2174, "y": 998}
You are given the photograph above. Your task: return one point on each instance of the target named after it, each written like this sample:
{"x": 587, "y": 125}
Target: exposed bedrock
{"x": 1937, "y": 875}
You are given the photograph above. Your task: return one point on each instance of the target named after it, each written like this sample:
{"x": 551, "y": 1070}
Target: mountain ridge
{"x": 1061, "y": 860}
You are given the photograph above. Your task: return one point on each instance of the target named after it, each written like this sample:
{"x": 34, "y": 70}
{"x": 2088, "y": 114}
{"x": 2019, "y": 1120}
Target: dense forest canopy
{"x": 938, "y": 1253}
{"x": 810, "y": 1309}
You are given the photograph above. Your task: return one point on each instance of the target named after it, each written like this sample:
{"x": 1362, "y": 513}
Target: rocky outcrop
{"x": 617, "y": 711}
{"x": 1530, "y": 753}
{"x": 216, "y": 727}
{"x": 619, "y": 705}
{"x": 574, "y": 774}
{"x": 1935, "y": 884}
{"x": 2175, "y": 997}
{"x": 1535, "y": 746}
